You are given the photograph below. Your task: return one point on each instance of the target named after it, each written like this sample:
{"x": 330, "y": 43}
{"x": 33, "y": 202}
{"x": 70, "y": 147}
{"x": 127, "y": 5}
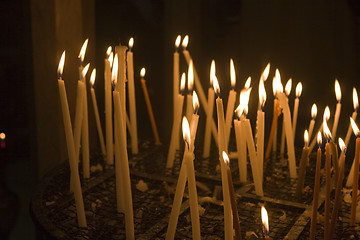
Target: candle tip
{"x": 83, "y": 50}
{"x": 185, "y": 42}
{"x": 142, "y": 72}
{"x": 61, "y": 65}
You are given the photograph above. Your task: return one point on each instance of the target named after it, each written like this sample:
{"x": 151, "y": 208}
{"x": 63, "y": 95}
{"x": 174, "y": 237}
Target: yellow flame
{"x": 243, "y": 101}
{"x": 61, "y": 64}
{"x": 2, "y": 136}
{"x": 142, "y": 72}
{"x": 177, "y": 41}
{"x": 131, "y": 42}
{"x": 212, "y": 72}
{"x": 342, "y": 145}
{"x": 248, "y": 82}
{"x": 326, "y": 130}
{"x": 85, "y": 70}
{"x": 319, "y": 138}
{"x": 111, "y": 59}
{"x": 277, "y": 86}
{"x": 313, "y": 111}
{"x": 355, "y": 99}
{"x": 190, "y": 76}
{"x": 306, "y": 138}
{"x": 326, "y": 113}
{"x": 232, "y": 73}
{"x": 337, "y": 90}
{"x": 92, "y": 77}
{"x": 225, "y": 158}
{"x": 195, "y": 101}
{"x": 83, "y": 50}
{"x": 354, "y": 127}
{"x": 216, "y": 85}
{"x": 262, "y": 93}
{"x": 185, "y": 41}
{"x": 182, "y": 82}
{"x": 265, "y": 74}
{"x": 114, "y": 74}
{"x": 288, "y": 87}
{"x": 298, "y": 89}
{"x": 265, "y": 218}
{"x": 186, "y": 130}
{"x": 108, "y": 51}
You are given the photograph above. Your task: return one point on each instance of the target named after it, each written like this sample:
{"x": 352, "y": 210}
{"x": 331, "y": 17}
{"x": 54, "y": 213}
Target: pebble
{"x": 142, "y": 186}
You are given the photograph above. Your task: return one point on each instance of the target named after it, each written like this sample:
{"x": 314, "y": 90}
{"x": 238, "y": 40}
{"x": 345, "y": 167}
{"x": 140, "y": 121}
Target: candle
{"x": 302, "y": 169}
{"x": 176, "y": 125}
{"x": 265, "y": 222}
{"x": 96, "y": 113}
{"x": 189, "y": 108}
{"x": 298, "y": 91}
{"x": 230, "y": 103}
{"x": 326, "y": 116}
{"x": 327, "y": 135}
{"x": 120, "y": 86}
{"x": 228, "y": 224}
{"x": 194, "y": 120}
{"x": 287, "y": 93}
{"x": 356, "y": 174}
{"x": 78, "y": 117}
{"x": 232, "y": 197}
{"x": 316, "y": 189}
{"x": 241, "y": 149}
{"x": 338, "y": 108}
{"x": 264, "y": 76}
{"x": 71, "y": 147}
{"x": 312, "y": 121}
{"x": 132, "y": 102}
{"x": 338, "y": 197}
{"x": 149, "y": 107}
{"x": 108, "y": 109}
{"x": 209, "y": 113}
{"x": 260, "y": 124}
{"x": 176, "y": 66}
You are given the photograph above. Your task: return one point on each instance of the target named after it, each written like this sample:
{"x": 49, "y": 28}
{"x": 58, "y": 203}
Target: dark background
{"x": 311, "y": 42}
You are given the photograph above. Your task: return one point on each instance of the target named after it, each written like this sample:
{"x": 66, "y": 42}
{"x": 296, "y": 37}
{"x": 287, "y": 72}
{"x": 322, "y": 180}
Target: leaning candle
{"x": 287, "y": 93}
{"x": 149, "y": 107}
{"x": 338, "y": 108}
{"x": 108, "y": 111}
{"x": 189, "y": 102}
{"x": 316, "y": 189}
{"x": 241, "y": 148}
{"x": 96, "y": 113}
{"x": 265, "y": 222}
{"x": 302, "y": 169}
{"x": 176, "y": 73}
{"x": 260, "y": 123}
{"x": 327, "y": 135}
{"x": 230, "y": 103}
{"x": 78, "y": 116}
{"x": 356, "y": 173}
{"x": 312, "y": 121}
{"x": 74, "y": 171}
{"x": 132, "y": 102}
{"x": 232, "y": 197}
{"x": 85, "y": 130}
{"x": 298, "y": 91}
{"x": 194, "y": 120}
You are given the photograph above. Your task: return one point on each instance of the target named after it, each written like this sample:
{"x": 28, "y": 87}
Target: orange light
{"x": 131, "y": 43}
{"x": 232, "y": 74}
{"x": 191, "y": 76}
{"x": 326, "y": 113}
{"x": 265, "y": 219}
{"x": 225, "y": 158}
{"x": 355, "y": 99}
{"x": 313, "y": 111}
{"x": 196, "y": 104}
{"x": 2, "y": 136}
{"x": 262, "y": 93}
{"x": 85, "y": 70}
{"x": 142, "y": 72}
{"x": 244, "y": 100}
{"x": 298, "y": 89}
{"x": 212, "y": 72}
{"x": 248, "y": 82}
{"x": 114, "y": 74}
{"x": 306, "y": 138}
{"x": 216, "y": 85}
{"x": 319, "y": 138}
{"x": 182, "y": 82}
{"x": 265, "y": 74}
{"x": 92, "y": 77}
{"x": 185, "y": 42}
{"x": 354, "y": 127}
{"x": 83, "y": 50}
{"x": 326, "y": 130}
{"x": 288, "y": 87}
{"x": 342, "y": 145}
{"x": 108, "y": 51}
{"x": 61, "y": 64}
{"x": 186, "y": 131}
{"x": 337, "y": 90}
{"x": 177, "y": 41}
{"x": 111, "y": 59}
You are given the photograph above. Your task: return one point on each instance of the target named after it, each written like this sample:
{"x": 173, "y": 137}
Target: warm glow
{"x": 182, "y": 82}
{"x": 326, "y": 113}
{"x": 326, "y": 130}
{"x": 216, "y": 85}
{"x": 243, "y": 102}
{"x": 131, "y": 43}
{"x": 108, "y": 51}
{"x": 337, "y": 90}
{"x": 313, "y": 111}
{"x": 186, "y": 131}
{"x": 111, "y": 59}
{"x": 265, "y": 74}
{"x": 248, "y": 82}
{"x": 355, "y": 99}
{"x": 288, "y": 87}
{"x": 2, "y": 136}
{"x": 85, "y": 70}
{"x": 354, "y": 127}
{"x": 342, "y": 145}
{"x": 61, "y": 64}
{"x": 83, "y": 50}
{"x": 142, "y": 72}
{"x": 177, "y": 41}
{"x": 92, "y": 77}
{"x": 319, "y": 138}
{"x": 185, "y": 41}
{"x": 190, "y": 76}
{"x": 262, "y": 93}
{"x": 195, "y": 102}
{"x": 212, "y": 72}
{"x": 114, "y": 74}
{"x": 232, "y": 73}
{"x": 306, "y": 138}
{"x": 277, "y": 86}
{"x": 298, "y": 90}
{"x": 225, "y": 158}
{"x": 265, "y": 219}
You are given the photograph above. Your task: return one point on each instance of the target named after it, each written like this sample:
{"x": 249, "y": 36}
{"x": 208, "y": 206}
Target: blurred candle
{"x": 230, "y": 103}
{"x": 260, "y": 123}
{"x": 176, "y": 73}
{"x": 241, "y": 147}
{"x": 326, "y": 117}
{"x": 85, "y": 129}
{"x": 302, "y": 169}
{"x": 355, "y": 174}
{"x": 287, "y": 93}
{"x": 298, "y": 91}
{"x": 327, "y": 135}
{"x": 194, "y": 120}
{"x": 189, "y": 102}
{"x": 338, "y": 108}
{"x": 312, "y": 121}
{"x": 108, "y": 109}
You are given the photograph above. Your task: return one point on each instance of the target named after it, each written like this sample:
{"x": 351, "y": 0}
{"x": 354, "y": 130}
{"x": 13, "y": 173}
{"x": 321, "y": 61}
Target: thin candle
{"x": 312, "y": 121}
{"x": 327, "y": 135}
{"x": 194, "y": 120}
{"x": 241, "y": 147}
{"x": 108, "y": 109}
{"x": 265, "y": 222}
{"x": 176, "y": 73}
{"x": 287, "y": 93}
{"x": 190, "y": 88}
{"x": 338, "y": 108}
{"x": 326, "y": 117}
{"x": 356, "y": 173}
{"x": 298, "y": 92}
{"x": 231, "y": 102}
{"x": 85, "y": 130}
{"x": 260, "y": 124}
{"x": 302, "y": 169}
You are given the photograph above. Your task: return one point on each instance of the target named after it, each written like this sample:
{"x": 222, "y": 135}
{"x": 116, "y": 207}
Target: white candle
{"x": 189, "y": 101}
{"x": 120, "y": 86}
{"x": 85, "y": 130}
{"x": 312, "y": 121}
{"x": 302, "y": 167}
{"x": 194, "y": 120}
{"x": 230, "y": 103}
{"x": 108, "y": 112}
{"x": 78, "y": 117}
{"x": 260, "y": 125}
{"x": 241, "y": 150}
{"x": 176, "y": 73}
{"x": 96, "y": 113}
{"x": 79, "y": 203}
{"x": 354, "y": 198}
{"x": 298, "y": 91}
{"x": 287, "y": 92}
{"x": 326, "y": 116}
{"x": 132, "y": 102}
{"x": 338, "y": 108}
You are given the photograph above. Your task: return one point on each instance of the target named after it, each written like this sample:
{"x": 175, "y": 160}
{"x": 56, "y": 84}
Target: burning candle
{"x": 231, "y": 102}
{"x": 108, "y": 109}
{"x": 78, "y": 116}
{"x": 194, "y": 120}
{"x": 85, "y": 129}
{"x": 312, "y": 121}
{"x": 209, "y": 115}
{"x": 356, "y": 173}
{"x": 241, "y": 147}
{"x": 338, "y": 108}
{"x": 265, "y": 222}
{"x": 316, "y": 189}
{"x": 287, "y": 93}
{"x": 327, "y": 135}
{"x": 189, "y": 107}
{"x": 261, "y": 129}
{"x": 298, "y": 91}
{"x": 232, "y": 197}
{"x": 2, "y": 140}
{"x": 302, "y": 169}
{"x": 132, "y": 102}
{"x": 96, "y": 113}
{"x": 149, "y": 107}
{"x": 174, "y": 141}
{"x": 71, "y": 147}
{"x": 176, "y": 73}
{"x": 326, "y": 116}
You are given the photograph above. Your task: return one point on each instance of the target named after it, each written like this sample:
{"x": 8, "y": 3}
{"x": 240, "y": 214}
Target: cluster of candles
{"x": 119, "y": 70}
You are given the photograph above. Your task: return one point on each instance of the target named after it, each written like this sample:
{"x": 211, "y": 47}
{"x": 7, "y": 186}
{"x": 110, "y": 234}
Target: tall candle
{"x": 356, "y": 174}
{"x": 189, "y": 102}
{"x": 312, "y": 121}
{"x": 302, "y": 169}
{"x": 79, "y": 203}
{"x": 85, "y": 129}
{"x": 338, "y": 108}
{"x": 298, "y": 91}
{"x": 316, "y": 190}
{"x": 132, "y": 102}
{"x": 241, "y": 150}
{"x": 230, "y": 103}
{"x": 260, "y": 124}
{"x": 287, "y": 92}
{"x": 78, "y": 117}
{"x": 108, "y": 112}
{"x": 194, "y": 120}
{"x": 96, "y": 113}
{"x": 326, "y": 116}
{"x": 176, "y": 73}
{"x": 327, "y": 134}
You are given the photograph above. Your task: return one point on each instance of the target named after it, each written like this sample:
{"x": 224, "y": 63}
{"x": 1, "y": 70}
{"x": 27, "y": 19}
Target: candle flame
{"x": 186, "y": 131}
{"x": 177, "y": 41}
{"x": 232, "y": 73}
{"x": 243, "y": 101}
{"x": 2, "y": 136}
{"x": 111, "y": 59}
{"x": 326, "y": 113}
{"x": 288, "y": 87}
{"x": 265, "y": 74}
{"x": 131, "y": 42}
{"x": 225, "y": 158}
{"x": 354, "y": 127}
{"x": 337, "y": 90}
{"x": 262, "y": 93}
{"x": 277, "y": 86}
{"x": 61, "y": 64}
{"x": 92, "y": 77}
{"x": 216, "y": 85}
{"x": 114, "y": 74}
{"x": 185, "y": 42}
{"x": 182, "y": 82}
{"x": 212, "y": 72}
{"x": 190, "y": 76}
{"x": 342, "y": 145}
{"x": 265, "y": 219}
{"x": 196, "y": 104}
{"x": 298, "y": 89}
{"x": 108, "y": 51}
{"x": 355, "y": 99}
{"x": 313, "y": 111}
{"x": 326, "y": 130}
{"x": 142, "y": 72}
{"x": 306, "y": 138}
{"x": 319, "y": 138}
{"x": 83, "y": 50}
{"x": 85, "y": 70}
{"x": 248, "y": 82}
